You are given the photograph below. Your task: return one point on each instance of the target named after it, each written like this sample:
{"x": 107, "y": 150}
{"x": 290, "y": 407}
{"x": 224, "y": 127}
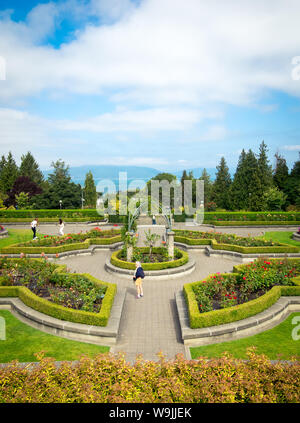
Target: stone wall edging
{"x": 76, "y": 331}
{"x": 164, "y": 273}
{"x": 260, "y": 322}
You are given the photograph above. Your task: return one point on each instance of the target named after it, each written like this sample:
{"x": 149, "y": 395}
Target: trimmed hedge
{"x": 116, "y": 261}
{"x": 282, "y": 248}
{"x": 251, "y": 216}
{"x": 246, "y": 218}
{"x": 238, "y": 312}
{"x": 63, "y": 313}
{"x": 49, "y": 220}
{"x": 54, "y": 213}
{"x": 256, "y": 223}
{"x": 15, "y": 249}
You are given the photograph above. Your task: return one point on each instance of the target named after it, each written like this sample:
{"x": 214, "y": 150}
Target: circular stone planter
{"x": 170, "y": 272}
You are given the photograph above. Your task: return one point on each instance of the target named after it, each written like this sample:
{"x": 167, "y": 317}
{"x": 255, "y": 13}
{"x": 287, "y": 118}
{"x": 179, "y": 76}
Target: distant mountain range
{"x": 111, "y": 172}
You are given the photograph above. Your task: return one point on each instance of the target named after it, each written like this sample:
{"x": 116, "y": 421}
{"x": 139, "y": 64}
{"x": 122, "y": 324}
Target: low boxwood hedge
{"x": 51, "y": 213}
{"x": 282, "y": 248}
{"x": 254, "y": 223}
{"x": 267, "y": 216}
{"x": 63, "y": 313}
{"x": 116, "y": 261}
{"x": 238, "y": 312}
{"x": 49, "y": 219}
{"x": 16, "y": 249}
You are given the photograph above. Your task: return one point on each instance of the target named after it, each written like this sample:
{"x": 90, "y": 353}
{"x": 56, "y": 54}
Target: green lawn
{"x": 283, "y": 237}
{"x": 22, "y": 341}
{"x": 274, "y": 343}
{"x": 16, "y": 236}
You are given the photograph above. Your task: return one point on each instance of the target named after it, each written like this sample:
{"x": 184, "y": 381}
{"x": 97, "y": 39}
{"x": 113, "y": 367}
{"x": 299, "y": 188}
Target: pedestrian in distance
{"x": 34, "y": 224}
{"x": 61, "y": 227}
{"x": 153, "y": 220}
{"x": 138, "y": 279}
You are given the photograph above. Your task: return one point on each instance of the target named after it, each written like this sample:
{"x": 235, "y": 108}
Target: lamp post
{"x": 82, "y": 199}
{"x": 60, "y": 201}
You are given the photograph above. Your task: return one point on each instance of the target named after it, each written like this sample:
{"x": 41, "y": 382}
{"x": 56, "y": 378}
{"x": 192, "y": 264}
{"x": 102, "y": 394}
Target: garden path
{"x": 150, "y": 324}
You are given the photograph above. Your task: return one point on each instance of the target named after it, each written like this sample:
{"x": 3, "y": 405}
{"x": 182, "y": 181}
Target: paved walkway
{"x": 150, "y": 324}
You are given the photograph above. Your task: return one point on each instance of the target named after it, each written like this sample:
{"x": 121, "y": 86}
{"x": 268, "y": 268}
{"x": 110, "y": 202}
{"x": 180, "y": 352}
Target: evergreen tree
{"x": 256, "y": 201}
{"x": 292, "y": 185}
{"x": 59, "y": 188}
{"x": 281, "y": 172}
{"x": 29, "y": 167}
{"x": 239, "y": 188}
{"x": 9, "y": 173}
{"x": 90, "y": 194}
{"x": 207, "y": 186}
{"x": 264, "y": 169}
{"x": 222, "y": 185}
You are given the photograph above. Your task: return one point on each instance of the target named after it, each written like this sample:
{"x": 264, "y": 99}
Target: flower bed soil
{"x": 78, "y": 293}
{"x": 254, "y": 280}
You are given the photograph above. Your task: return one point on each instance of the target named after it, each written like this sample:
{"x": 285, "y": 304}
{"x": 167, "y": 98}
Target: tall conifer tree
{"x": 90, "y": 194}
{"x": 222, "y": 185}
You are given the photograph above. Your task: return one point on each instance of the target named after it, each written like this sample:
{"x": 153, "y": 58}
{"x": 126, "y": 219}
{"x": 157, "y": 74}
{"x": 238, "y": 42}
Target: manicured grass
{"x": 274, "y": 343}
{"x": 282, "y": 237}
{"x": 15, "y": 236}
{"x": 22, "y": 341}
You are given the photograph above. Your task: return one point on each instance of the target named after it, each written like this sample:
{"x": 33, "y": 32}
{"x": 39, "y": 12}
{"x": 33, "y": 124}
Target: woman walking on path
{"x": 138, "y": 279}
{"x": 34, "y": 224}
{"x": 61, "y": 227}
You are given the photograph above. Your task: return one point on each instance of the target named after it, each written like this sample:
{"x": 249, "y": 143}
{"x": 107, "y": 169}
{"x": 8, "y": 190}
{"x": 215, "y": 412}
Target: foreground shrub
{"x": 110, "y": 379}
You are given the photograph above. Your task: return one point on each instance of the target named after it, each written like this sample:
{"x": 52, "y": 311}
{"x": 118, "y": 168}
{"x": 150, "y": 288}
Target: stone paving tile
{"x": 149, "y": 324}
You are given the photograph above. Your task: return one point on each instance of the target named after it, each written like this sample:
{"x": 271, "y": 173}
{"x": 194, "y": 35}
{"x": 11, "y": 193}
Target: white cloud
{"x": 214, "y": 133}
{"x": 136, "y": 120}
{"x": 291, "y": 147}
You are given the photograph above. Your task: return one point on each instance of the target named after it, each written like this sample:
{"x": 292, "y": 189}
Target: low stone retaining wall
{"x": 87, "y": 251}
{"x": 209, "y": 251}
{"x": 235, "y": 330}
{"x": 3, "y": 234}
{"x": 296, "y": 237}
{"x": 226, "y": 253}
{"x": 157, "y": 274}
{"x": 76, "y": 331}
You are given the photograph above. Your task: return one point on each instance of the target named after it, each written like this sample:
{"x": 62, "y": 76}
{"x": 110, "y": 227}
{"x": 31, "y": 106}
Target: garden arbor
{"x": 169, "y": 234}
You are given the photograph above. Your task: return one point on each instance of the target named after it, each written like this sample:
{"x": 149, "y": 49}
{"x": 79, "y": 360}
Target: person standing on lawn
{"x": 138, "y": 279}
{"x": 34, "y": 224}
{"x": 61, "y": 227}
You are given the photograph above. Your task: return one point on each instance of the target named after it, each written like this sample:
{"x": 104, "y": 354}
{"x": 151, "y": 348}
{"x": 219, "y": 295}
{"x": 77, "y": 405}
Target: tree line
{"x": 25, "y": 187}
{"x": 255, "y": 185}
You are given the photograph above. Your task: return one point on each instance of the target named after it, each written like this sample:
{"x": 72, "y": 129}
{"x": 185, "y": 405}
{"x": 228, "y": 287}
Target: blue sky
{"x": 167, "y": 84}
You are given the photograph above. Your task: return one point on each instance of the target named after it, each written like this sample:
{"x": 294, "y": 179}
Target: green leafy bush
{"x": 110, "y": 379}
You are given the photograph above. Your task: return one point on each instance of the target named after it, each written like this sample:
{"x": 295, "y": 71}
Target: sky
{"x": 169, "y": 84}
